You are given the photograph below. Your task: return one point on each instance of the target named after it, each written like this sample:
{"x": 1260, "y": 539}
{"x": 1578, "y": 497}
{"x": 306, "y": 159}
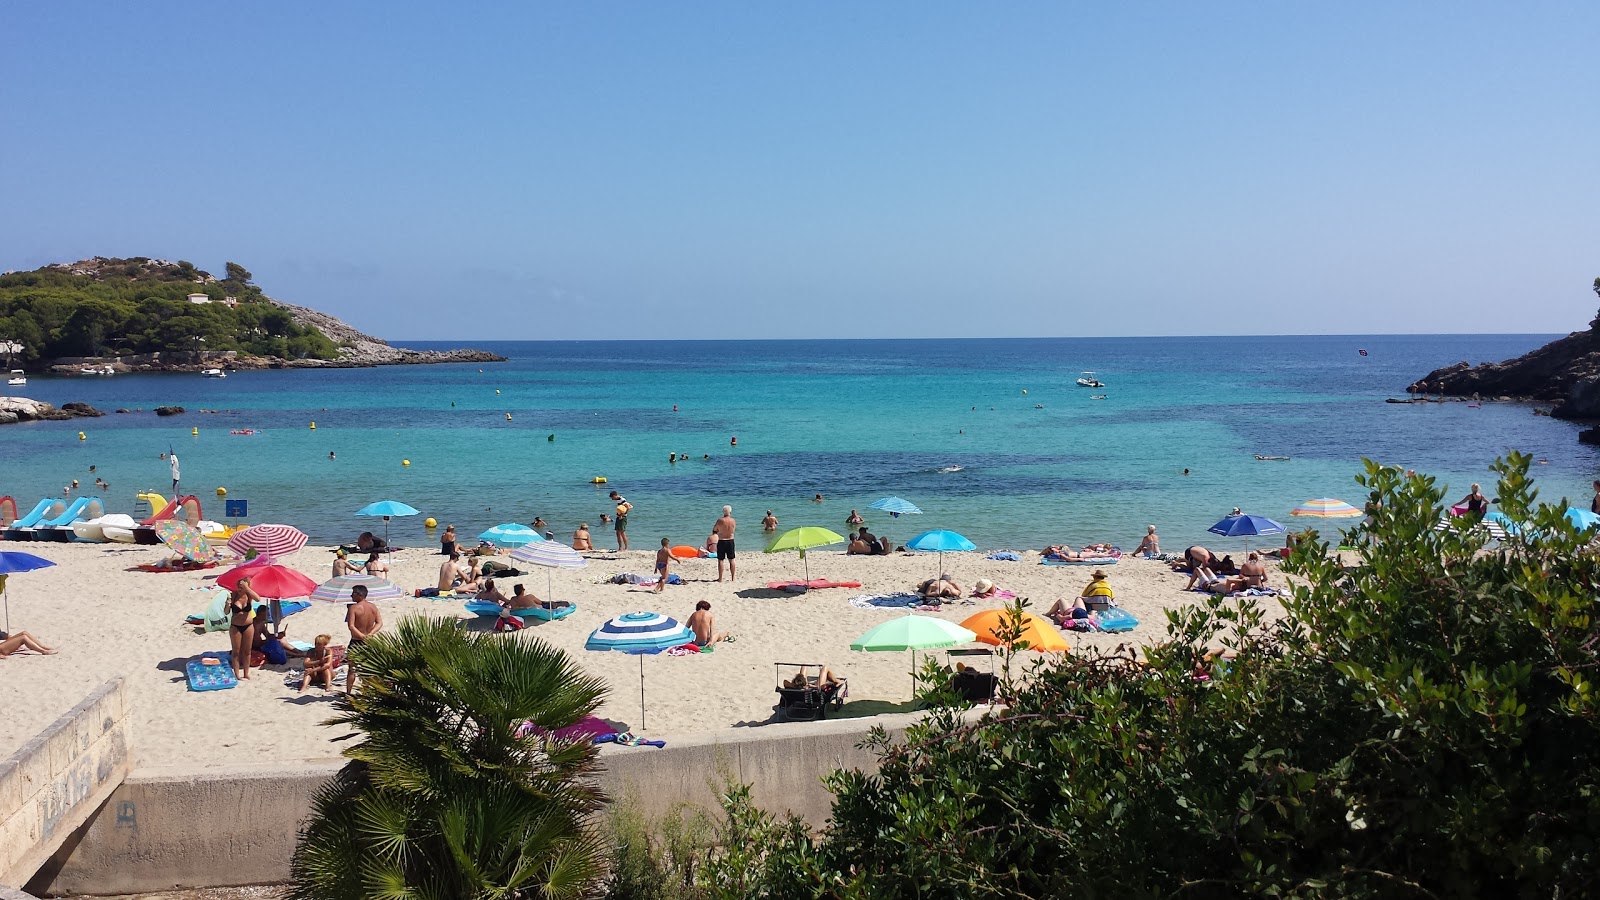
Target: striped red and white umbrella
{"x": 268, "y": 540}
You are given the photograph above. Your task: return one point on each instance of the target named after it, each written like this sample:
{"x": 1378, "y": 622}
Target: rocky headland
{"x": 1564, "y": 372}
{"x": 21, "y": 409}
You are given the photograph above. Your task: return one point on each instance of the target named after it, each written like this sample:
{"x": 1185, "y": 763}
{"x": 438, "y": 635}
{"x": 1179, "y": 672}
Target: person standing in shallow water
{"x": 621, "y": 525}
{"x": 723, "y": 529}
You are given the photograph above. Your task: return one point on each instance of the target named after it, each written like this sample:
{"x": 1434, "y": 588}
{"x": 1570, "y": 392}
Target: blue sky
{"x": 749, "y": 170}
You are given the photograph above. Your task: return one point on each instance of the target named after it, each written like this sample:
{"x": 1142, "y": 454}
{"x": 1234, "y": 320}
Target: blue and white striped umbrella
{"x": 551, "y": 555}
{"x": 640, "y": 633}
{"x": 511, "y": 534}
{"x": 896, "y": 506}
{"x": 337, "y": 590}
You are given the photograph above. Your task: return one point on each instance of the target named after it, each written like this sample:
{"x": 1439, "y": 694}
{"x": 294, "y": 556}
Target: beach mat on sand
{"x": 815, "y": 584}
{"x": 217, "y": 677}
{"x": 1114, "y": 620}
{"x": 1086, "y": 561}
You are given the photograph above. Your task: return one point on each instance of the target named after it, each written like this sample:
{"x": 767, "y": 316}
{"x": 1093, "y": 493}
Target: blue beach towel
{"x": 1005, "y": 556}
{"x": 219, "y": 677}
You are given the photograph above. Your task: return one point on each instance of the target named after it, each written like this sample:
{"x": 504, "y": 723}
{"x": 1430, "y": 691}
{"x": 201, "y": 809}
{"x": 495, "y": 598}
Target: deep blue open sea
{"x": 854, "y": 420}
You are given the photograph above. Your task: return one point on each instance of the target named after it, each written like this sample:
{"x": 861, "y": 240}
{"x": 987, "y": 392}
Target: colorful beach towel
{"x": 815, "y": 584}
{"x": 1005, "y": 556}
{"x": 893, "y": 601}
{"x": 218, "y": 677}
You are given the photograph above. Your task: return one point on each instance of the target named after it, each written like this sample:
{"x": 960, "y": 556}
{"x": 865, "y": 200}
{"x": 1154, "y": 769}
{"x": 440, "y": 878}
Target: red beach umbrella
{"x": 271, "y": 581}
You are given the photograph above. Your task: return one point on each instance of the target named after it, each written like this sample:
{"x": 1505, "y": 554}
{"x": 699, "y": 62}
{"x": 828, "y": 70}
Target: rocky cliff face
{"x": 357, "y": 349}
{"x": 1564, "y": 372}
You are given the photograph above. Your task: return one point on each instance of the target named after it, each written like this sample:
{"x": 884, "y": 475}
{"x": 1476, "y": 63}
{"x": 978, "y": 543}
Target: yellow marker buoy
{"x": 313, "y": 426}
{"x": 82, "y": 436}
{"x": 195, "y": 432}
{"x": 598, "y": 479}
{"x": 430, "y": 522}
{"x": 405, "y": 462}
{"x": 222, "y": 492}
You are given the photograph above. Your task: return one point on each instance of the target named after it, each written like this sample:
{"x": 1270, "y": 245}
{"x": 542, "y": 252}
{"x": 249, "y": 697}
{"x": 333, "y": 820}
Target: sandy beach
{"x": 108, "y": 619}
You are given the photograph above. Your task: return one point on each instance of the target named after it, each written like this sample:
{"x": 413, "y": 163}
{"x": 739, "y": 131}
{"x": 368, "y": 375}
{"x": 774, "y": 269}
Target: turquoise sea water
{"x": 854, "y": 420}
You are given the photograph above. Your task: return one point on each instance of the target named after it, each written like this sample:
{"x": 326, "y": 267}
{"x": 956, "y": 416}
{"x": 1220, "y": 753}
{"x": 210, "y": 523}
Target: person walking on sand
{"x": 663, "y": 557}
{"x": 364, "y": 620}
{"x": 724, "y": 532}
{"x": 623, "y": 508}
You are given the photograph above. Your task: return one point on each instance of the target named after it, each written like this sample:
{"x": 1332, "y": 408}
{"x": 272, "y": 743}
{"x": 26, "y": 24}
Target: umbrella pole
{"x": 549, "y": 588}
{"x": 8, "y": 609}
{"x": 641, "y": 692}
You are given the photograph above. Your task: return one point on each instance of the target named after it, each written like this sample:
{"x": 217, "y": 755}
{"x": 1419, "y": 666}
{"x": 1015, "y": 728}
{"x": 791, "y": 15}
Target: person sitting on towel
{"x": 21, "y": 640}
{"x": 1253, "y": 573}
{"x": 522, "y": 598}
{"x": 876, "y": 547}
{"x": 704, "y": 625}
{"x": 581, "y": 539}
{"x": 319, "y": 664}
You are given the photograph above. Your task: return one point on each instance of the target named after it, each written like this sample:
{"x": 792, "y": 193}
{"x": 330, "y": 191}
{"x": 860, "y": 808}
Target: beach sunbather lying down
{"x": 941, "y": 588}
{"x": 826, "y": 679}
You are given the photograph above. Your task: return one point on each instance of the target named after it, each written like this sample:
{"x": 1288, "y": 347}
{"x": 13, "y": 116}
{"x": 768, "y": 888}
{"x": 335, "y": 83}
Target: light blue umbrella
{"x": 896, "y": 507}
{"x": 1246, "y": 527}
{"x": 13, "y": 561}
{"x": 386, "y": 508}
{"x": 1582, "y": 519}
{"x": 511, "y": 534}
{"x": 940, "y": 542}
{"x": 641, "y": 634}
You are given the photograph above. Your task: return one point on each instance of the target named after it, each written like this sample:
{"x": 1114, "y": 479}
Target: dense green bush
{"x": 135, "y": 307}
{"x": 1422, "y": 723}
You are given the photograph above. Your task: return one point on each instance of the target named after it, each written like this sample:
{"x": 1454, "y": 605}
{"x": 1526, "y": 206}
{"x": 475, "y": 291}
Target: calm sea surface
{"x": 990, "y": 437}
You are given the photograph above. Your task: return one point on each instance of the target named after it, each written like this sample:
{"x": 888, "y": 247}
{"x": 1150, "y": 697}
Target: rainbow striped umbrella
{"x": 1326, "y": 508}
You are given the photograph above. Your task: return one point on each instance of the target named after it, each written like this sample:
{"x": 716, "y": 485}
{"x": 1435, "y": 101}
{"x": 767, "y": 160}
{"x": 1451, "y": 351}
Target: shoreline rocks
{"x": 21, "y": 409}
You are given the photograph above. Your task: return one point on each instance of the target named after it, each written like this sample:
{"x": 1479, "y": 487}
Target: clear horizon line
{"x": 1063, "y": 337}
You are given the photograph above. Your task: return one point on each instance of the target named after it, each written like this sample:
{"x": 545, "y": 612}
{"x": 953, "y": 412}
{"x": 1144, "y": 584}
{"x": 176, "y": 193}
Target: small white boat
{"x": 118, "y": 527}
{"x": 17, "y": 377}
{"x": 1089, "y": 381}
{"x": 97, "y": 370}
{"x": 94, "y": 529}
{"x": 213, "y": 373}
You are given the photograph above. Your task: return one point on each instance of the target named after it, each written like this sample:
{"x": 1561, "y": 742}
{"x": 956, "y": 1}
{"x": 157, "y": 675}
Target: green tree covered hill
{"x": 117, "y": 307}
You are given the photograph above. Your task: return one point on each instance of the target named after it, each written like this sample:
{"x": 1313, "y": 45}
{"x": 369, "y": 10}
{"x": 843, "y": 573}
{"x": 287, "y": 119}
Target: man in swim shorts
{"x": 364, "y": 620}
{"x": 724, "y": 532}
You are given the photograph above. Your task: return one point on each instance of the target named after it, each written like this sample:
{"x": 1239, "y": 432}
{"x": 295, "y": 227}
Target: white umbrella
{"x": 550, "y": 555}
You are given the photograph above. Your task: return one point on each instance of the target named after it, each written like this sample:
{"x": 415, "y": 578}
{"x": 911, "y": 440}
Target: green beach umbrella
{"x": 913, "y": 632}
{"x": 803, "y": 539}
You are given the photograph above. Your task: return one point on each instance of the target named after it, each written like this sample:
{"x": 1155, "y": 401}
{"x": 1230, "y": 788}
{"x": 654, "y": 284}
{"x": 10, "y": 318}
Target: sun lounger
{"x": 809, "y": 703}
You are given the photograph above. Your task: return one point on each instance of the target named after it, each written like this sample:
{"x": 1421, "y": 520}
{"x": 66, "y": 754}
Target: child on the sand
{"x": 319, "y": 664}
{"x": 663, "y": 556}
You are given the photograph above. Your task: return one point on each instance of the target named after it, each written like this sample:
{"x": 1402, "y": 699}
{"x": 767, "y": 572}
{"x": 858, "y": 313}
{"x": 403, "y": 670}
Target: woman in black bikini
{"x": 241, "y": 612}
{"x": 1477, "y": 503}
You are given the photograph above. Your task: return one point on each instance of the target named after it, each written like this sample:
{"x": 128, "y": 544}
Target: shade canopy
{"x": 511, "y": 534}
{"x": 895, "y": 506}
{"x": 185, "y": 540}
{"x": 12, "y": 562}
{"x": 1246, "y": 526}
{"x": 1039, "y": 633}
{"x": 271, "y": 581}
{"x": 1582, "y": 519}
{"x": 639, "y": 632}
{"x": 386, "y": 508}
{"x": 940, "y": 542}
{"x": 804, "y": 539}
{"x": 267, "y": 540}
{"x": 550, "y": 554}
{"x": 913, "y": 632}
{"x": 337, "y": 590}
{"x": 1325, "y": 508}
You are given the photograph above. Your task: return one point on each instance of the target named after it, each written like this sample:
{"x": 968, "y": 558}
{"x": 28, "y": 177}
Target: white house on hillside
{"x": 199, "y": 298}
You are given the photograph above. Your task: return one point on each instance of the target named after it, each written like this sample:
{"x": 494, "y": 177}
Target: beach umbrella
{"x": 1582, "y": 519}
{"x": 641, "y": 634}
{"x": 186, "y": 541}
{"x": 337, "y": 589}
{"x": 1039, "y": 633}
{"x": 387, "y": 509}
{"x": 12, "y": 562}
{"x": 913, "y": 632}
{"x": 511, "y": 534}
{"x": 267, "y": 540}
{"x": 272, "y": 581}
{"x": 1246, "y": 527}
{"x": 803, "y": 539}
{"x": 551, "y": 555}
{"x": 1326, "y": 508}
{"x": 940, "y": 542}
{"x": 895, "y": 507}
{"x": 1495, "y": 523}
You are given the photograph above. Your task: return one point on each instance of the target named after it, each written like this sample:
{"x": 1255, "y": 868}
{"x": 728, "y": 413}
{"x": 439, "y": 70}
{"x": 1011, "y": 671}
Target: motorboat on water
{"x": 213, "y": 373}
{"x": 97, "y": 370}
{"x": 17, "y": 377}
{"x": 1089, "y": 381}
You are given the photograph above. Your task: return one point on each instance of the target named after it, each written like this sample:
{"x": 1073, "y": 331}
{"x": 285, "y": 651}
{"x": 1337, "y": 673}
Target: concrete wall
{"x": 165, "y": 829}
{"x": 56, "y": 782}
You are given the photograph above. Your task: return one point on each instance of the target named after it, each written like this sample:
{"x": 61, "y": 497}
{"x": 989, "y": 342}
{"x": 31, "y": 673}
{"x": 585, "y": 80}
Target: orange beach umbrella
{"x": 1040, "y": 634}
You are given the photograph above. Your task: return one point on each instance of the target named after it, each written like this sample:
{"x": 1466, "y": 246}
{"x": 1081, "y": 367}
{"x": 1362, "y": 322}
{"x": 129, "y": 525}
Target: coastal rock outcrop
{"x": 1565, "y": 372}
{"x": 169, "y": 410}
{"x": 21, "y": 409}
